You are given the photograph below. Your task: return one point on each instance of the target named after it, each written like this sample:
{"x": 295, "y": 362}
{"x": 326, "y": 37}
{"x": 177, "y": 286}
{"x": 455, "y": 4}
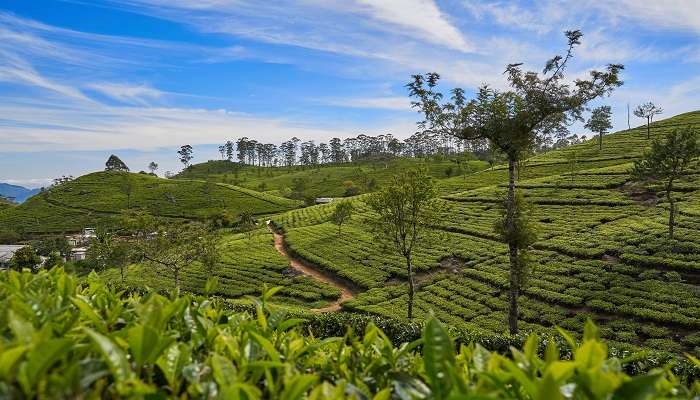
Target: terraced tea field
{"x": 246, "y": 264}
{"x": 601, "y": 253}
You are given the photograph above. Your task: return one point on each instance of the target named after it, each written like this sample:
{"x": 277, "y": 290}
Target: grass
{"x": 97, "y": 197}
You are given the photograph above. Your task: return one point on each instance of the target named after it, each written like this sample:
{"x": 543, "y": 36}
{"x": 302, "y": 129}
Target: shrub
{"x": 91, "y": 341}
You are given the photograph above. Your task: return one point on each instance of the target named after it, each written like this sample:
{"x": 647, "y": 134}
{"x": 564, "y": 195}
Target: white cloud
{"x": 132, "y": 94}
{"x": 398, "y": 103}
{"x": 667, "y": 14}
{"x": 541, "y": 20}
{"x": 15, "y": 70}
{"x": 421, "y": 16}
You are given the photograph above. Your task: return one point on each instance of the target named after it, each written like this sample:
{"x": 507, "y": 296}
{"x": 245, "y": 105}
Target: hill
{"x": 4, "y": 204}
{"x": 328, "y": 180}
{"x": 95, "y": 197}
{"x": 602, "y": 251}
{"x": 18, "y": 193}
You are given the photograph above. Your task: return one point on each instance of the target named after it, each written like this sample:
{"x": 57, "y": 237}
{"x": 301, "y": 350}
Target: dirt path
{"x": 345, "y": 292}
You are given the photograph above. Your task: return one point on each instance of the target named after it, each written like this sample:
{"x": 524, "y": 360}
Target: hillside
{"x": 94, "y": 197}
{"x": 18, "y": 193}
{"x": 4, "y": 204}
{"x": 601, "y": 252}
{"x": 326, "y": 180}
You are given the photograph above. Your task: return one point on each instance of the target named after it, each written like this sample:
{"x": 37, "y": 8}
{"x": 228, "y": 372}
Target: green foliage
{"x": 670, "y": 158}
{"x": 599, "y": 122}
{"x": 9, "y": 236}
{"x": 25, "y": 257}
{"x": 114, "y": 163}
{"x": 403, "y": 208}
{"x": 62, "y": 339}
{"x": 668, "y": 161}
{"x": 341, "y": 214}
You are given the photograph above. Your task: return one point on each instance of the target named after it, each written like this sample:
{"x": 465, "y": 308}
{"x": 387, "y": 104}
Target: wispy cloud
{"x": 397, "y": 103}
{"x": 422, "y": 18}
{"x": 15, "y": 70}
{"x": 132, "y": 94}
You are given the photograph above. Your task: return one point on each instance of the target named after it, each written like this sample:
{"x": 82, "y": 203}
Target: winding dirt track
{"x": 345, "y": 292}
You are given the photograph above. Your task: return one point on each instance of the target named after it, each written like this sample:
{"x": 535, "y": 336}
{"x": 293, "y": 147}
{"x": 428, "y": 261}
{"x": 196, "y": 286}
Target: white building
{"x": 6, "y": 253}
{"x": 78, "y": 253}
{"x": 323, "y": 200}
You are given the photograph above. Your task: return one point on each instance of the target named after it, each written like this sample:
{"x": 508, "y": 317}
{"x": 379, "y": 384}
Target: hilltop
{"x": 328, "y": 180}
{"x": 98, "y": 196}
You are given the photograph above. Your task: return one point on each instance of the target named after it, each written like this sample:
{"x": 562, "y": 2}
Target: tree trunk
{"x": 648, "y": 128}
{"x": 672, "y": 209}
{"x": 514, "y": 288}
{"x": 600, "y": 141}
{"x": 411, "y": 288}
{"x": 177, "y": 278}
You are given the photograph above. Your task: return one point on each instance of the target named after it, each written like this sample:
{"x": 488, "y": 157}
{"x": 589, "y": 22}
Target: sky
{"x": 83, "y": 79}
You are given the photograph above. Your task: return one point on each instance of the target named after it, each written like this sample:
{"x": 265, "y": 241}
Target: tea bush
{"x": 61, "y": 339}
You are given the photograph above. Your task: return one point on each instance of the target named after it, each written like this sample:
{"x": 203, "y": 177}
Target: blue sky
{"x": 82, "y": 79}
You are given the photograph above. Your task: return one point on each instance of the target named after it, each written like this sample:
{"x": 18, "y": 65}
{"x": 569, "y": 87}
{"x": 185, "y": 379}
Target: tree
{"x": 62, "y": 180}
{"x": 115, "y": 164}
{"x": 403, "y": 208}
{"x": 106, "y": 251}
{"x": 229, "y": 150}
{"x": 600, "y": 123}
{"x": 667, "y": 161}
{"x": 185, "y": 153}
{"x": 173, "y": 247}
{"x": 513, "y": 120}
{"x": 54, "y": 260}
{"x": 247, "y": 223}
{"x": 341, "y": 214}
{"x": 153, "y": 167}
{"x": 648, "y": 111}
{"x": 25, "y": 257}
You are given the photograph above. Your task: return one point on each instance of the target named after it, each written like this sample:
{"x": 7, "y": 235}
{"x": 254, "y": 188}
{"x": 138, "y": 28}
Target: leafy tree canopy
{"x": 114, "y": 163}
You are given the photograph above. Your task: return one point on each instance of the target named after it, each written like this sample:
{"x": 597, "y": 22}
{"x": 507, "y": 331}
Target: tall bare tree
{"x": 536, "y": 105}
{"x": 649, "y": 111}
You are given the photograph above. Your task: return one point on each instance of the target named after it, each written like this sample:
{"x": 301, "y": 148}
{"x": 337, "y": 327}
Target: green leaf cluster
{"x": 64, "y": 339}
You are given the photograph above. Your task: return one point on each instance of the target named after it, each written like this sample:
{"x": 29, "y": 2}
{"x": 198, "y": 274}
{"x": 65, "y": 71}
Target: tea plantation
{"x": 96, "y": 197}
{"x": 247, "y": 262}
{"x": 602, "y": 250}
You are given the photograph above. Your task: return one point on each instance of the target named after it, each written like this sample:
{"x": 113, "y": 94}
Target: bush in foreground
{"x": 62, "y": 339}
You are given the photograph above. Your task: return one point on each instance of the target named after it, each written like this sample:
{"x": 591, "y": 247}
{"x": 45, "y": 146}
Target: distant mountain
{"x": 19, "y": 193}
